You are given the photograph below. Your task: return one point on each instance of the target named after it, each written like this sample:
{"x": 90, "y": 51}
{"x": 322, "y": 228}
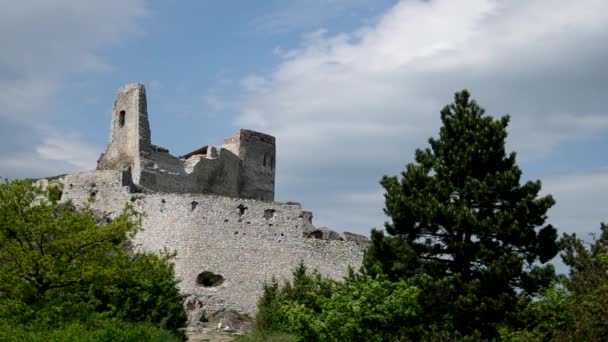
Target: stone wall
{"x": 245, "y": 241}
{"x": 244, "y": 166}
{"x": 257, "y": 171}
{"x": 219, "y": 174}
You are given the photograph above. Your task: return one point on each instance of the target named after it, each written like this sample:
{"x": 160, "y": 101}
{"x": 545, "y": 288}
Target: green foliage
{"x": 59, "y": 265}
{"x": 148, "y": 295}
{"x": 257, "y": 336}
{"x": 461, "y": 259}
{"x": 95, "y": 330}
{"x": 460, "y": 215}
{"x": 316, "y": 308}
{"x": 576, "y": 308}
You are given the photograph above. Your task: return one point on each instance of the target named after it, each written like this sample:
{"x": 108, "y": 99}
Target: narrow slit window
{"x": 121, "y": 118}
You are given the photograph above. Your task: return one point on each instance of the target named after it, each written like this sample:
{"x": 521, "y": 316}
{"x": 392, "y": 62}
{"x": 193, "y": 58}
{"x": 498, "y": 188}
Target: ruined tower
{"x": 257, "y": 154}
{"x": 129, "y": 132}
{"x": 214, "y": 206}
{"x": 243, "y": 166}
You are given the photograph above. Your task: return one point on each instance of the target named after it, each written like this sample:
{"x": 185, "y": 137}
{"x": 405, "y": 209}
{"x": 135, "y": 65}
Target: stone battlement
{"x": 245, "y": 134}
{"x": 213, "y": 206}
{"x": 243, "y": 166}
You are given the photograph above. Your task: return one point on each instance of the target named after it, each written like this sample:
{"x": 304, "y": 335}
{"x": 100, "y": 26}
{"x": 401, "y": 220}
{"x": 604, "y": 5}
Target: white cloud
{"x": 57, "y": 154}
{"x": 43, "y": 43}
{"x": 361, "y": 102}
{"x": 581, "y": 201}
{"x": 69, "y": 149}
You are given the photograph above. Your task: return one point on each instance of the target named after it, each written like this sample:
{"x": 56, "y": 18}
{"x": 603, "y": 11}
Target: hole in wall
{"x": 269, "y": 213}
{"x": 121, "y": 118}
{"x": 193, "y": 205}
{"x": 209, "y": 279}
{"x": 315, "y": 234}
{"x": 242, "y": 209}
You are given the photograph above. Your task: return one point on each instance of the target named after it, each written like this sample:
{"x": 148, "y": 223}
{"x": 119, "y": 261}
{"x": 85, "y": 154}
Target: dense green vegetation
{"x": 68, "y": 274}
{"x": 316, "y": 308}
{"x": 463, "y": 256}
{"x": 573, "y": 308}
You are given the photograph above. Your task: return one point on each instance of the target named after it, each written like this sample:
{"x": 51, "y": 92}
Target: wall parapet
{"x": 154, "y": 168}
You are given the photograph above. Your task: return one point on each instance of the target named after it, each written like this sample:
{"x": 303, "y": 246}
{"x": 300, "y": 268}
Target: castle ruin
{"x": 243, "y": 166}
{"x": 213, "y": 206}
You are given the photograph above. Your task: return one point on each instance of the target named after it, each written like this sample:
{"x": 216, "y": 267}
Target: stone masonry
{"x": 243, "y": 166}
{"x": 213, "y": 206}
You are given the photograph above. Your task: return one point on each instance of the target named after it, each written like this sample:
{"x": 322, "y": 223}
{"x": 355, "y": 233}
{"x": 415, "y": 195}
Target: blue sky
{"x": 349, "y": 88}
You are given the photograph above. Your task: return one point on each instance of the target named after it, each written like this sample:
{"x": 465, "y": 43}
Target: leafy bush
{"x": 94, "y": 330}
{"x": 60, "y": 265}
{"x": 149, "y": 294}
{"x": 316, "y": 308}
{"x": 257, "y": 336}
{"x": 576, "y": 307}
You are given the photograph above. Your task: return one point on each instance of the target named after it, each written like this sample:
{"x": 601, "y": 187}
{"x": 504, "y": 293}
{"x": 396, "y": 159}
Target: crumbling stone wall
{"x": 244, "y": 166}
{"x": 212, "y": 206}
{"x": 257, "y": 153}
{"x": 226, "y": 247}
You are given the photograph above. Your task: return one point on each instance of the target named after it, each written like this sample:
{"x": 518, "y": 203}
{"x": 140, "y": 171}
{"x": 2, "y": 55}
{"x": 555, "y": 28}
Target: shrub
{"x": 316, "y": 308}
{"x": 60, "y": 265}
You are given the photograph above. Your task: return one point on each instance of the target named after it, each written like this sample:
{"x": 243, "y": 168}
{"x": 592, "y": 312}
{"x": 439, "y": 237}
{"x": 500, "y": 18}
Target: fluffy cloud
{"x": 348, "y": 108}
{"x": 55, "y": 154}
{"x": 43, "y": 43}
{"x": 581, "y": 197}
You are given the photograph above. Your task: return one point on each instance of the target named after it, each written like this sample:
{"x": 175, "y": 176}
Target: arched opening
{"x": 209, "y": 279}
{"x": 121, "y": 118}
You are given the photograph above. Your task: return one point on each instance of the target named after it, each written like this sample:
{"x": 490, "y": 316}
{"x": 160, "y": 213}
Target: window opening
{"x": 121, "y": 118}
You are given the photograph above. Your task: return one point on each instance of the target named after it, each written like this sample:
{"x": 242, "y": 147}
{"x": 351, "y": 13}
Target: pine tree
{"x": 460, "y": 212}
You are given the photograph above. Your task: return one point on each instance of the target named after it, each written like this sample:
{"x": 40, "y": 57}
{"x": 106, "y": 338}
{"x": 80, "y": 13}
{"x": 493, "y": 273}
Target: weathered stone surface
{"x": 233, "y": 237}
{"x": 194, "y": 307}
{"x": 243, "y": 166}
{"x": 227, "y": 246}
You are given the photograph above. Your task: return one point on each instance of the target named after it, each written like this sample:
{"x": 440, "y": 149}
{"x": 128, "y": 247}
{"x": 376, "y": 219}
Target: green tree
{"x": 575, "y": 308}
{"x": 60, "y": 264}
{"x": 316, "y": 308}
{"x": 588, "y": 287}
{"x": 460, "y": 215}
